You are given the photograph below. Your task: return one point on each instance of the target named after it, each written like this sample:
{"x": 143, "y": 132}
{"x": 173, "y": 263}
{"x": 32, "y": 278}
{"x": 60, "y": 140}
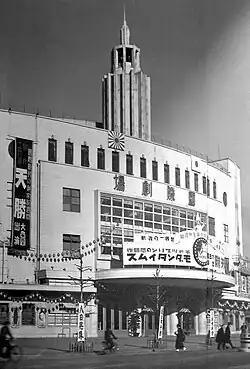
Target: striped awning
{"x": 184, "y": 310}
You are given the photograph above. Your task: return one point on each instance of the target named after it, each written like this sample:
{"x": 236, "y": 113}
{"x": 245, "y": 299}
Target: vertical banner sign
{"x": 160, "y": 329}
{"x": 21, "y": 195}
{"x": 212, "y": 324}
{"x": 81, "y": 323}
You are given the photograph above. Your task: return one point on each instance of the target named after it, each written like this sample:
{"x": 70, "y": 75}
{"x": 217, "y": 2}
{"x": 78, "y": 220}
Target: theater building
{"x": 156, "y": 226}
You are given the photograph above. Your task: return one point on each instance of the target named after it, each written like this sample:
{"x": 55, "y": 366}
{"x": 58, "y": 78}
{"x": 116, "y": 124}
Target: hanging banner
{"x": 41, "y": 318}
{"x": 187, "y": 248}
{"x": 160, "y": 328}
{"x": 21, "y": 196}
{"x": 81, "y": 323}
{"x": 213, "y": 321}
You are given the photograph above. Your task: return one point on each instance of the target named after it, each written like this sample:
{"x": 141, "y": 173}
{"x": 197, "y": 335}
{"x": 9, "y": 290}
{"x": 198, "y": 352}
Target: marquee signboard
{"x": 193, "y": 249}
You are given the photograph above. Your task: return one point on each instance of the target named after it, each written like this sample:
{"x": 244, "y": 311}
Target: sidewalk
{"x": 126, "y": 344}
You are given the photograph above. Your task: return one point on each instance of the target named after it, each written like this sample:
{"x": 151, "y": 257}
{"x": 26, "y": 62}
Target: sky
{"x": 197, "y": 53}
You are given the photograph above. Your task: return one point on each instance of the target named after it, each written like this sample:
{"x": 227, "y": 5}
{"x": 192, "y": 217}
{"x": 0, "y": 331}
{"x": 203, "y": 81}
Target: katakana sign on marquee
{"x": 21, "y": 195}
{"x": 188, "y": 248}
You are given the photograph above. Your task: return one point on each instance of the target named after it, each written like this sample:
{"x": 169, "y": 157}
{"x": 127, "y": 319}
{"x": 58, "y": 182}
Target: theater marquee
{"x": 189, "y": 249}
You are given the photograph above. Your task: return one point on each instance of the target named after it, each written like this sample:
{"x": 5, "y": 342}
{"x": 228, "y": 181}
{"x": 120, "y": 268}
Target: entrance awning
{"x": 184, "y": 310}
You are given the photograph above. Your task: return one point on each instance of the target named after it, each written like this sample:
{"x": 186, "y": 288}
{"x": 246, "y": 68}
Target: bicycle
{"x": 14, "y": 353}
{"x": 106, "y": 347}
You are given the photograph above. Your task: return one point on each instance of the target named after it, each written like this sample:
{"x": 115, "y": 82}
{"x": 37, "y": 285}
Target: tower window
{"x": 166, "y": 173}
{"x": 128, "y": 55}
{"x": 214, "y": 190}
{"x": 120, "y": 57}
{"x": 100, "y": 158}
{"x": 204, "y": 184}
{"x": 115, "y": 161}
{"x": 69, "y": 152}
{"x": 187, "y": 179}
{"x": 196, "y": 182}
{"x": 84, "y": 156}
{"x": 129, "y": 164}
{"x": 143, "y": 167}
{"x": 177, "y": 176}
{"x": 155, "y": 170}
{"x": 52, "y": 149}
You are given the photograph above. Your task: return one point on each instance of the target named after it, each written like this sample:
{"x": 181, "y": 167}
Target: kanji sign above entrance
{"x": 188, "y": 248}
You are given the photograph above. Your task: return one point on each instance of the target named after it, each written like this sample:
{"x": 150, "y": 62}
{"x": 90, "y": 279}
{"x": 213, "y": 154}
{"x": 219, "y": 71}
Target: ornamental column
{"x": 173, "y": 320}
{"x": 202, "y": 323}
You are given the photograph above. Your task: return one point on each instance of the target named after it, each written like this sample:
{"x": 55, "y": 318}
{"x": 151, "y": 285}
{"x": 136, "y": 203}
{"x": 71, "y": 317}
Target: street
{"x": 203, "y": 358}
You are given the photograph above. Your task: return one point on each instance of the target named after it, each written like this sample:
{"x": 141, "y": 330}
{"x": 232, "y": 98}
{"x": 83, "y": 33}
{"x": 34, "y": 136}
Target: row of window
{"x": 122, "y": 217}
{"x": 69, "y": 159}
{"x": 130, "y": 216}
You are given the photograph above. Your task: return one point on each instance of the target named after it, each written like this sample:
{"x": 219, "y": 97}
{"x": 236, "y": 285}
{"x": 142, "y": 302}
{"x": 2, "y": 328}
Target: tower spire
{"x": 125, "y": 33}
{"x": 124, "y": 14}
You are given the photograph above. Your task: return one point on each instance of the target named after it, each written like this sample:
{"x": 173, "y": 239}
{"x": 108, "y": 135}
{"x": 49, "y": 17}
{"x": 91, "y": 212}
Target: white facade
{"x": 49, "y": 179}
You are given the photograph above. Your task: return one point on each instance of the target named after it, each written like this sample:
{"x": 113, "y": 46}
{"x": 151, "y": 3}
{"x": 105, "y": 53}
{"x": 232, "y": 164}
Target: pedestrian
{"x": 220, "y": 338}
{"x": 243, "y": 328}
{"x": 180, "y": 338}
{"x": 228, "y": 335}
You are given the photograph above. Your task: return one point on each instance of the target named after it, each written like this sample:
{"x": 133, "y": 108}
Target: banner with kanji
{"x": 21, "y": 196}
{"x": 81, "y": 323}
{"x": 160, "y": 328}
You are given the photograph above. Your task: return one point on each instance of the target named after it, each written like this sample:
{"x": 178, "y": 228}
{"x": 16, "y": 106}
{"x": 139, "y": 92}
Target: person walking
{"x": 228, "y": 335}
{"x": 180, "y": 338}
{"x": 220, "y": 338}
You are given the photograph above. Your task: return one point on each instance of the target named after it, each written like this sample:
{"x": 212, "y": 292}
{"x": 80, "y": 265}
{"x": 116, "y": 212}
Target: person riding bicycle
{"x": 109, "y": 338}
{"x": 5, "y": 337}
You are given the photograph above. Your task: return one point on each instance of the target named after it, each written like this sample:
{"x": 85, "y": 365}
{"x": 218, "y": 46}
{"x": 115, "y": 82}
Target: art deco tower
{"x": 126, "y": 91}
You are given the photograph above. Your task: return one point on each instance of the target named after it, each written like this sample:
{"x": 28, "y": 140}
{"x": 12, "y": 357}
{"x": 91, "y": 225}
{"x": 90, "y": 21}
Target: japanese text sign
{"x": 21, "y": 194}
{"x": 81, "y": 323}
{"x": 188, "y": 249}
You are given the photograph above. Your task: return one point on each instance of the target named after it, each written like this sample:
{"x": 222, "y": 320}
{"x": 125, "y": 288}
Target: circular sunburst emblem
{"x": 200, "y": 251}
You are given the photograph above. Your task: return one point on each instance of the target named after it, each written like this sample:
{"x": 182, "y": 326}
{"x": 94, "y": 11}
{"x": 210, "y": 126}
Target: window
{"x": 214, "y": 190}
{"x": 211, "y": 226}
{"x": 208, "y": 187}
{"x": 187, "y": 179}
{"x": 196, "y": 183}
{"x": 4, "y": 313}
{"x": 143, "y": 167}
{"x": 177, "y": 176}
{"x": 71, "y": 242}
{"x": 115, "y": 161}
{"x": 130, "y": 216}
{"x": 52, "y": 149}
{"x": 204, "y": 185}
{"x": 100, "y": 158}
{"x": 28, "y": 314}
{"x": 129, "y": 164}
{"x": 84, "y": 156}
{"x": 155, "y": 170}
{"x": 166, "y": 173}
{"x": 225, "y": 226}
{"x": 69, "y": 147}
{"x": 71, "y": 200}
